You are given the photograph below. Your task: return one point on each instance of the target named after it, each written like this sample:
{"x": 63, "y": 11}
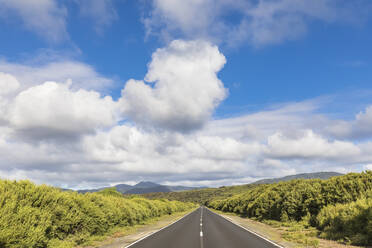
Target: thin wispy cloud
{"x": 233, "y": 23}
{"x": 101, "y": 12}
{"x": 47, "y": 18}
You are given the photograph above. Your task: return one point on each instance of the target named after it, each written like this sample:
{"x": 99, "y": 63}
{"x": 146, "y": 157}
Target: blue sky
{"x": 327, "y": 59}
{"x": 280, "y": 73}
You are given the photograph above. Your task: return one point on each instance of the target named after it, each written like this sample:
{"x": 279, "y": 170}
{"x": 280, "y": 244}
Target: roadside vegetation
{"x": 350, "y": 222}
{"x": 44, "y": 216}
{"x": 339, "y": 208}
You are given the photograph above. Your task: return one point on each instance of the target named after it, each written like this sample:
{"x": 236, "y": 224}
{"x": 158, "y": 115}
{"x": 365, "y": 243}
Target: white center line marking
{"x": 201, "y": 228}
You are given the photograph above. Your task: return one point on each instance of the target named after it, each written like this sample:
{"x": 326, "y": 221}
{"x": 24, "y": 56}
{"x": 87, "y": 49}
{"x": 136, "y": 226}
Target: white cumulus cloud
{"x": 183, "y": 88}
{"x": 54, "y": 109}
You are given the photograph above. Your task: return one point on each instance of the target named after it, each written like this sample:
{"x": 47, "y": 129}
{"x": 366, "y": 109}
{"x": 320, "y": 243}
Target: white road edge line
{"x": 159, "y": 230}
{"x": 201, "y": 228}
{"x": 228, "y": 219}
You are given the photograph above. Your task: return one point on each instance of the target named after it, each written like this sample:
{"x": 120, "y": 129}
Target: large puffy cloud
{"x": 33, "y": 108}
{"x": 45, "y": 17}
{"x": 185, "y": 91}
{"x": 52, "y": 108}
{"x": 258, "y": 22}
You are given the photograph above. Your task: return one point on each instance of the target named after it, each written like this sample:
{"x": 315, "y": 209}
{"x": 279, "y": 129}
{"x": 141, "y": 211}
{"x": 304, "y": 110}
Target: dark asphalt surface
{"x": 215, "y": 232}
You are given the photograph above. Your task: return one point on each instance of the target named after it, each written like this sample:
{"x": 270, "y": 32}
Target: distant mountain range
{"x": 316, "y": 175}
{"x": 150, "y": 187}
{"x": 143, "y": 188}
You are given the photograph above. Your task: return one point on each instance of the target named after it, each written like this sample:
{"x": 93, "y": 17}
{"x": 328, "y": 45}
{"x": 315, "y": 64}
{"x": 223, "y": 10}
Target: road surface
{"x": 203, "y": 229}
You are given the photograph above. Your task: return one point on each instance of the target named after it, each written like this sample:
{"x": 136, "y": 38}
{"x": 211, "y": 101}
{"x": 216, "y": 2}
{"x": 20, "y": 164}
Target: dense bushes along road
{"x": 43, "y": 216}
{"x": 340, "y": 207}
{"x": 349, "y": 222}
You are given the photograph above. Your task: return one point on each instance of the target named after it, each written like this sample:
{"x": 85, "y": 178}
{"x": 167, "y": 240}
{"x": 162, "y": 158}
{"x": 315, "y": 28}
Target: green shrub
{"x": 350, "y": 223}
{"x": 340, "y": 207}
{"x": 296, "y": 199}
{"x": 41, "y": 216}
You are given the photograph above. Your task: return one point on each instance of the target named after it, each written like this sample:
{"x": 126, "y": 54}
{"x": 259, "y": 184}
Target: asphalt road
{"x": 203, "y": 229}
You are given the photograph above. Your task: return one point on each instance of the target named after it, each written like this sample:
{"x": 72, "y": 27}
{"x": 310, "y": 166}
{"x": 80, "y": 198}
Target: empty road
{"x": 203, "y": 229}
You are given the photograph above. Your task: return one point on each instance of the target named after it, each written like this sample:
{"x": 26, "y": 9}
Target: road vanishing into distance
{"x": 203, "y": 229}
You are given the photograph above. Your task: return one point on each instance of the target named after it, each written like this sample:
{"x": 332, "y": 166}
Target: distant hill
{"x": 183, "y": 188}
{"x": 120, "y": 187}
{"x": 142, "y": 188}
{"x": 203, "y": 196}
{"x": 123, "y": 187}
{"x": 316, "y": 175}
{"x": 146, "y": 185}
{"x": 156, "y": 189}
